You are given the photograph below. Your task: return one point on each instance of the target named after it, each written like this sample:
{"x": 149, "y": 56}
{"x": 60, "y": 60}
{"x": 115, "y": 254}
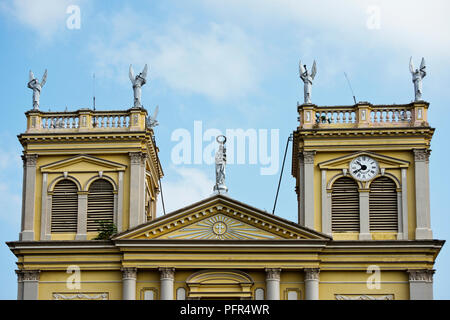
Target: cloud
{"x": 218, "y": 61}
{"x": 188, "y": 186}
{"x": 44, "y": 17}
{"x": 417, "y": 26}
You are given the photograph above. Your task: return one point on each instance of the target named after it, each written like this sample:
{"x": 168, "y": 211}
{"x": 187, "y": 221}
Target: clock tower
{"x": 362, "y": 171}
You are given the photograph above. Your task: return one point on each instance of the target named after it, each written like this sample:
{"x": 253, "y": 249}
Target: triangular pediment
{"x": 220, "y": 218}
{"x": 385, "y": 161}
{"x": 83, "y": 163}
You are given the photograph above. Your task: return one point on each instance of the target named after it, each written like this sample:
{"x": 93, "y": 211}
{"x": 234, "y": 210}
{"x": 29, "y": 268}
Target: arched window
{"x": 345, "y": 205}
{"x": 259, "y": 294}
{"x": 64, "y": 207}
{"x": 100, "y": 204}
{"x": 181, "y": 294}
{"x": 383, "y": 211}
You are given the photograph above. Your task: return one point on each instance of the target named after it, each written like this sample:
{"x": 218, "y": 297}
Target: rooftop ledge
{"x": 84, "y": 120}
{"x": 363, "y": 115}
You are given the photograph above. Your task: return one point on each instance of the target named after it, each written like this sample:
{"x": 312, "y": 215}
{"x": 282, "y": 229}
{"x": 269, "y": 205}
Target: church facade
{"x": 363, "y": 229}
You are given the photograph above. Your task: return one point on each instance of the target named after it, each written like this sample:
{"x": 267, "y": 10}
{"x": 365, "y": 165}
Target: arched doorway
{"x": 219, "y": 284}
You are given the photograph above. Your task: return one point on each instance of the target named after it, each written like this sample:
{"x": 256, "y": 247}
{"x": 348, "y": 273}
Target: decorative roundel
{"x": 364, "y": 168}
{"x": 219, "y": 228}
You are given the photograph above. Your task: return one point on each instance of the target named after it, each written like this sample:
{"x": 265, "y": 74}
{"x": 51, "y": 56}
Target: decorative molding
{"x": 307, "y": 156}
{"x": 273, "y": 274}
{"x": 129, "y": 273}
{"x": 167, "y": 273}
{"x": 28, "y": 275}
{"x": 30, "y": 160}
{"x": 364, "y": 297}
{"x": 421, "y": 275}
{"x": 312, "y": 273}
{"x": 421, "y": 154}
{"x": 80, "y": 296}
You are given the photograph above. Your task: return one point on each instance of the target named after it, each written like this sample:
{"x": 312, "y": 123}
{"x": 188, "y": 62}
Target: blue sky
{"x": 230, "y": 64}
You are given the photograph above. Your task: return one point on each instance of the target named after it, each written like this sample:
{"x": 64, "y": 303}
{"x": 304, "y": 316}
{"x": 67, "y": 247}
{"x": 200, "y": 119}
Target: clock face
{"x": 363, "y": 168}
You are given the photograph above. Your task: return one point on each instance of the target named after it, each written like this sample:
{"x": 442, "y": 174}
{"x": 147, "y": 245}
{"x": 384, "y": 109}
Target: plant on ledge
{"x": 106, "y": 230}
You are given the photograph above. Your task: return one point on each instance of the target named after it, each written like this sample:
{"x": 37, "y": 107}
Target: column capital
{"x": 312, "y": 273}
{"x": 307, "y": 156}
{"x": 129, "y": 273}
{"x": 273, "y": 273}
{"x": 421, "y": 275}
{"x": 28, "y": 275}
{"x": 167, "y": 273}
{"x": 421, "y": 154}
{"x": 29, "y": 160}
{"x": 137, "y": 157}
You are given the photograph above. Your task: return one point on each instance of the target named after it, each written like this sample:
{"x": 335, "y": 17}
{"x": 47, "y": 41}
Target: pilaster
{"x": 30, "y": 279}
{"x": 423, "y": 223}
{"x": 29, "y": 192}
{"x": 420, "y": 284}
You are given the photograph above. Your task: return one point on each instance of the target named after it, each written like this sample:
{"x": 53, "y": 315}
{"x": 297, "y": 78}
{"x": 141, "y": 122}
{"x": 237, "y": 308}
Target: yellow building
{"x": 363, "y": 230}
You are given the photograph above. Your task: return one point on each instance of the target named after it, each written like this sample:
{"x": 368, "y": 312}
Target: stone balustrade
{"x": 133, "y": 119}
{"x": 363, "y": 115}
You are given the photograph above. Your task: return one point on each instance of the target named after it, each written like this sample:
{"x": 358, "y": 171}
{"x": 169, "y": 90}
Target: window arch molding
{"x": 97, "y": 177}
{"x": 341, "y": 175}
{"x": 51, "y": 186}
{"x": 389, "y": 175}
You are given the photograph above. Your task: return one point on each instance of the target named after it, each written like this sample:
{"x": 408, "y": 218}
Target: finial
{"x": 221, "y": 161}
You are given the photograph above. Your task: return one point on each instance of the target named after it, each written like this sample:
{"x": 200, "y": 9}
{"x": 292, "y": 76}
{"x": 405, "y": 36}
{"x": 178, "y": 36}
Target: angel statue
{"x": 307, "y": 78}
{"x": 151, "y": 120}
{"x": 36, "y": 86}
{"x": 221, "y": 161}
{"x": 137, "y": 83}
{"x": 417, "y": 76}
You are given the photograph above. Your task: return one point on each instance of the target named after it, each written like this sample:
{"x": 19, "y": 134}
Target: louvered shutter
{"x": 345, "y": 205}
{"x": 100, "y": 204}
{"x": 383, "y": 211}
{"x": 64, "y": 207}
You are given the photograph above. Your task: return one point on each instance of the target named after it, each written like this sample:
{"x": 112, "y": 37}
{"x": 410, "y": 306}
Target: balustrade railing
{"x": 85, "y": 119}
{"x": 363, "y": 115}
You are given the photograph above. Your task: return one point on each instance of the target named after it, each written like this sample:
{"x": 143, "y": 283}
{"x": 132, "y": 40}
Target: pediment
{"x": 385, "y": 161}
{"x": 83, "y": 163}
{"x": 220, "y": 218}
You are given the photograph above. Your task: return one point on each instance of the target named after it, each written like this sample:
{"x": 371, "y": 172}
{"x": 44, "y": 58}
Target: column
{"x": 301, "y": 191}
{"x": 423, "y": 223}
{"x": 167, "y": 276}
{"x": 308, "y": 159}
{"x": 30, "y": 285}
{"x": 404, "y": 204}
{"x": 119, "y": 222}
{"x": 135, "y": 192}
{"x": 82, "y": 216}
{"x": 421, "y": 284}
{"x": 364, "y": 219}
{"x": 273, "y": 284}
{"x": 19, "y": 274}
{"x": 312, "y": 283}
{"x": 129, "y": 283}
{"x": 326, "y": 210}
{"x": 28, "y": 194}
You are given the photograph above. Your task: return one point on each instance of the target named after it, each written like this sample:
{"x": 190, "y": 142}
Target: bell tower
{"x": 86, "y": 168}
{"x": 362, "y": 171}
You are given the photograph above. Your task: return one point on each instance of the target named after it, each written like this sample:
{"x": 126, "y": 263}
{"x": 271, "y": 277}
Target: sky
{"x": 216, "y": 66}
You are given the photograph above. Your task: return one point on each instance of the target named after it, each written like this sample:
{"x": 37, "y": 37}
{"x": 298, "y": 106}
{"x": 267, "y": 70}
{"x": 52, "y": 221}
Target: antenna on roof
{"x": 348, "y": 81}
{"x": 93, "y": 86}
